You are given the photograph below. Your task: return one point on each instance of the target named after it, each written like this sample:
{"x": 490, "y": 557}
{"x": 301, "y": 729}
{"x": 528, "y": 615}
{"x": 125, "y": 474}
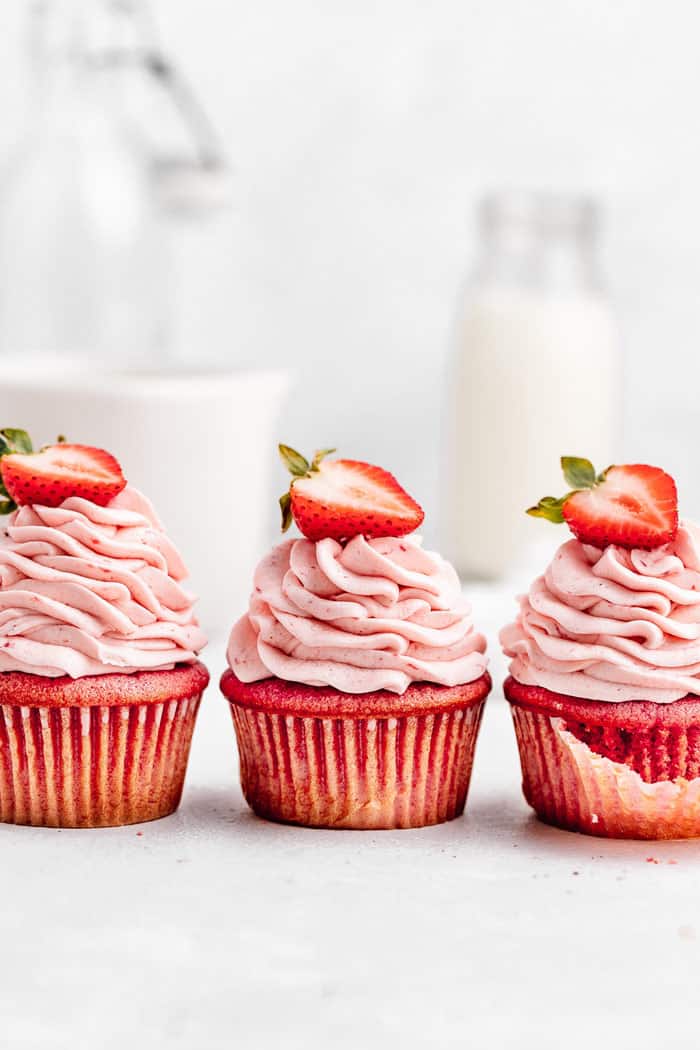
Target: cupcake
{"x": 605, "y": 661}
{"x": 356, "y": 679}
{"x": 99, "y": 679}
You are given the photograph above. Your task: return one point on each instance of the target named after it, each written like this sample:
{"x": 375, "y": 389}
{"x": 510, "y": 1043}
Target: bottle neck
{"x": 539, "y": 243}
{"x": 76, "y": 49}
{"x": 86, "y": 32}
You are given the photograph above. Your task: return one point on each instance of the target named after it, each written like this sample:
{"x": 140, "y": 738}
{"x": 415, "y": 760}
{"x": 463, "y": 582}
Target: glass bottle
{"x": 533, "y": 376}
{"x": 86, "y": 198}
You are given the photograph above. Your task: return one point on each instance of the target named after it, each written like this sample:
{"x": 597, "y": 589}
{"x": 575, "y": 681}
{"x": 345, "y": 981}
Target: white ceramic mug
{"x": 199, "y": 445}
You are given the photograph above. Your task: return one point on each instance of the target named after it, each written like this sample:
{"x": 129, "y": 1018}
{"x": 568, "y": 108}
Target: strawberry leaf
{"x": 17, "y": 440}
{"x": 549, "y": 508}
{"x": 295, "y": 463}
{"x": 319, "y": 456}
{"x": 286, "y": 508}
{"x": 579, "y": 473}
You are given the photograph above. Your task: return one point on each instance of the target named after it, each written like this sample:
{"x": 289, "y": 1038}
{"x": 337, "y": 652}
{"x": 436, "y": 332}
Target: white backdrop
{"x": 362, "y": 134}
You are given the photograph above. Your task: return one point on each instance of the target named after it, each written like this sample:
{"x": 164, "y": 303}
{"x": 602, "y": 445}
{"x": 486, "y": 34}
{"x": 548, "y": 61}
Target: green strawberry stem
{"x": 580, "y": 474}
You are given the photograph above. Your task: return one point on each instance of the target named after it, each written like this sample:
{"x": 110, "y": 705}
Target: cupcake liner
{"x": 402, "y": 771}
{"x": 93, "y": 766}
{"x": 571, "y": 784}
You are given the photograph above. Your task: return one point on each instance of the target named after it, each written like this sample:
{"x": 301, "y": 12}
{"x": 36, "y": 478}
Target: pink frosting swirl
{"x": 88, "y": 590}
{"x": 613, "y": 624}
{"x": 366, "y": 615}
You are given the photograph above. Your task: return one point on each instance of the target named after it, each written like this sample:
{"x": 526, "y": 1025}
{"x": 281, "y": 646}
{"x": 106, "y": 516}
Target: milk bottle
{"x": 533, "y": 377}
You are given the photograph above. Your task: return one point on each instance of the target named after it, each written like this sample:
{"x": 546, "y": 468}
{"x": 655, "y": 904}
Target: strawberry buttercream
{"x": 362, "y": 616}
{"x": 89, "y": 590}
{"x": 613, "y": 624}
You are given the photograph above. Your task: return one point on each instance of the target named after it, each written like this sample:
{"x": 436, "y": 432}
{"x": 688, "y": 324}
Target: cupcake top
{"x": 616, "y": 615}
{"x": 89, "y": 582}
{"x": 356, "y": 604}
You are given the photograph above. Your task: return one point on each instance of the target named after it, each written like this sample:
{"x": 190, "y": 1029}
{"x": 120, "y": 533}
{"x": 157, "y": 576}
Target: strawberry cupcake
{"x": 356, "y": 678}
{"x": 605, "y": 661}
{"x": 99, "y": 679}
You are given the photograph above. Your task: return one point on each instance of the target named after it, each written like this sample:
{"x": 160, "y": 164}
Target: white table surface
{"x": 213, "y": 929}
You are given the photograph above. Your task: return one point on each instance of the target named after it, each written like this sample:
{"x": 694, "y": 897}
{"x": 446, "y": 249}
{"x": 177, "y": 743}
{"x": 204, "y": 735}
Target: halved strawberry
{"x": 633, "y": 505}
{"x": 341, "y": 498}
{"x": 50, "y": 476}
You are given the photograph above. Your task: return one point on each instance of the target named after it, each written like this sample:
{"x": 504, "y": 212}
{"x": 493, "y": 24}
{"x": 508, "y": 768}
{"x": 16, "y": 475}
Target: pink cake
{"x": 356, "y": 678}
{"x": 605, "y": 665}
{"x": 99, "y": 678}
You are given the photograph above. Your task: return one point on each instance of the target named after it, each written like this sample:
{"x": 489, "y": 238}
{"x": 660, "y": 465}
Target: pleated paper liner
{"x": 322, "y": 758}
{"x": 627, "y": 770}
{"x": 96, "y": 752}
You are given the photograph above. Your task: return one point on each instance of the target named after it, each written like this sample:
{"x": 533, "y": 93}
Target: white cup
{"x": 198, "y": 444}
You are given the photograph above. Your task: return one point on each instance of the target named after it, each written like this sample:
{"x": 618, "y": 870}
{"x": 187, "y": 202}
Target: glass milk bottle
{"x": 533, "y": 377}
{"x": 115, "y": 145}
{"x": 80, "y": 248}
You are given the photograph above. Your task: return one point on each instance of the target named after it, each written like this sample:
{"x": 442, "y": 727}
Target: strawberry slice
{"x": 341, "y": 498}
{"x": 633, "y": 505}
{"x": 50, "y": 476}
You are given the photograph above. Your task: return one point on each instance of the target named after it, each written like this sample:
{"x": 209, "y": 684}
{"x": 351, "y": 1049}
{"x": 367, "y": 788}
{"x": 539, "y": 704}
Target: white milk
{"x": 533, "y": 378}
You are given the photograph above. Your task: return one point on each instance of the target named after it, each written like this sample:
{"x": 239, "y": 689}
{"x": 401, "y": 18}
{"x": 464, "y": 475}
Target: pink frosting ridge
{"x": 360, "y": 616}
{"x": 89, "y": 590}
{"x": 613, "y": 624}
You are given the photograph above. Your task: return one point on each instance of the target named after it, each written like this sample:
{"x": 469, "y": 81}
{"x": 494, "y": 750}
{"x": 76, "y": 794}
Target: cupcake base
{"x": 629, "y": 770}
{"x": 320, "y": 758}
{"x": 98, "y": 751}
